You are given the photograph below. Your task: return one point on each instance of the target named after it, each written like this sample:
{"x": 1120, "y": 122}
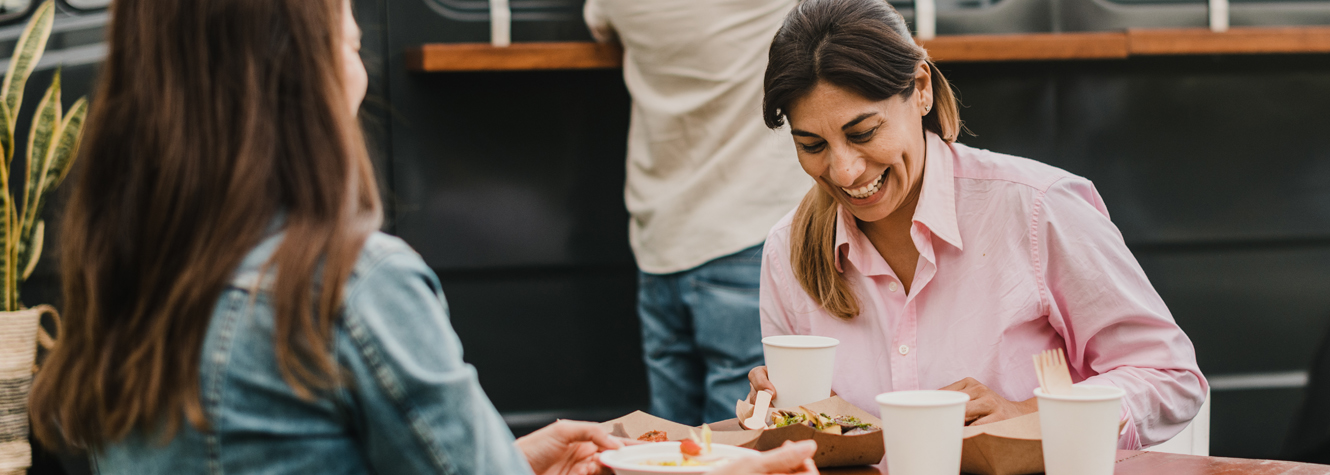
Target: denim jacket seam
{"x": 235, "y": 309}
{"x": 373, "y": 257}
{"x": 383, "y": 375}
{"x": 393, "y": 388}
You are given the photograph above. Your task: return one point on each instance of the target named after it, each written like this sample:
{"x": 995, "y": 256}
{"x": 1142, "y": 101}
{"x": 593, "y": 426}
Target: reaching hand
{"x": 567, "y": 448}
{"x": 791, "y": 458}
{"x": 757, "y": 381}
{"x": 986, "y": 406}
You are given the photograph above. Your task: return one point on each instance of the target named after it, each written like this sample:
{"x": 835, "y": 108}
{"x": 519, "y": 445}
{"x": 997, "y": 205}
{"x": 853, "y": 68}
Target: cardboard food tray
{"x": 1010, "y": 447}
{"x": 832, "y": 450}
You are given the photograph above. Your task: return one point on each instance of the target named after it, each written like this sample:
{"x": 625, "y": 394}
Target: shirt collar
{"x": 937, "y": 200}
{"x": 936, "y": 210}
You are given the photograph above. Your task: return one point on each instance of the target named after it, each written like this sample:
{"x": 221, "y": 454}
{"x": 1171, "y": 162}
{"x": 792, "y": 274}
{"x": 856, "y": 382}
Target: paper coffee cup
{"x": 922, "y": 431}
{"x": 1080, "y": 429}
{"x": 800, "y": 367}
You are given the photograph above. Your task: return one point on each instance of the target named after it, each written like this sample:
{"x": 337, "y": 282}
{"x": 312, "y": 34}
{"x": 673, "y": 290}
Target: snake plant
{"x": 53, "y": 141}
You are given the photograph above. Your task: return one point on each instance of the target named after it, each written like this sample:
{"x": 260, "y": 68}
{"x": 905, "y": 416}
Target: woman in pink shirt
{"x": 938, "y": 265}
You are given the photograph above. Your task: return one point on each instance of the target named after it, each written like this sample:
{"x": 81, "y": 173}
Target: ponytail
{"x": 813, "y": 256}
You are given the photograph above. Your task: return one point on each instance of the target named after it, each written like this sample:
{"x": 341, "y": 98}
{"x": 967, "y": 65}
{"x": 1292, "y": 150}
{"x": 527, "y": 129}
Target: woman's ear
{"x": 923, "y": 84}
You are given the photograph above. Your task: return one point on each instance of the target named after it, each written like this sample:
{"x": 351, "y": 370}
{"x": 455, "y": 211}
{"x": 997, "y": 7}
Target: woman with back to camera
{"x": 938, "y": 265}
{"x": 230, "y": 307}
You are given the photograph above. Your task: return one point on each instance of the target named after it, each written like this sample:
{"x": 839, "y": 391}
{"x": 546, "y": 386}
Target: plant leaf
{"x": 27, "y": 52}
{"x": 41, "y": 144}
{"x": 9, "y": 295}
{"x": 67, "y": 148}
{"x": 6, "y": 140}
{"x": 61, "y": 160}
{"x": 6, "y": 232}
{"x": 38, "y": 237}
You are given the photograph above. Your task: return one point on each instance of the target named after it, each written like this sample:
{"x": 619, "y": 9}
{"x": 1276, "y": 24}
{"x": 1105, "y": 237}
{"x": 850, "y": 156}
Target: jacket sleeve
{"x": 420, "y": 408}
{"x": 1117, "y": 329}
{"x": 593, "y": 12}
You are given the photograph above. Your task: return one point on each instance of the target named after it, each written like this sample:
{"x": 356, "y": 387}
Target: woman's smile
{"x": 867, "y": 194}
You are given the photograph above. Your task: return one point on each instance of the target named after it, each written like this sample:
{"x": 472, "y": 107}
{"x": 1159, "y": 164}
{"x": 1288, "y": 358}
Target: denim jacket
{"x": 412, "y": 405}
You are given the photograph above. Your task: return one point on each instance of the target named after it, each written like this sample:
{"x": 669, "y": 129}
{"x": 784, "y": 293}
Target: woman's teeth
{"x": 866, "y": 190}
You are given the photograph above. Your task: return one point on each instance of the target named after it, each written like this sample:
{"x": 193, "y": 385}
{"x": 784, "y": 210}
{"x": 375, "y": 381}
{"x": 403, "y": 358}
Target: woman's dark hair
{"x": 860, "y": 45}
{"x": 212, "y": 121}
{"x": 863, "y": 46}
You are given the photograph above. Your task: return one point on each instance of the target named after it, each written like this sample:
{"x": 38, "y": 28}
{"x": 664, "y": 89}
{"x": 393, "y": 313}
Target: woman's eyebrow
{"x": 803, "y": 133}
{"x": 857, "y": 120}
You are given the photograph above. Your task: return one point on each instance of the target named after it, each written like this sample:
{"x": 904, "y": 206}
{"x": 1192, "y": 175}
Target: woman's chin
{"x": 870, "y": 213}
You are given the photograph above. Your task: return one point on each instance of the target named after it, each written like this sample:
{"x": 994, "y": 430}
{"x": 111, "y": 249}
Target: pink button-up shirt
{"x": 1015, "y": 257}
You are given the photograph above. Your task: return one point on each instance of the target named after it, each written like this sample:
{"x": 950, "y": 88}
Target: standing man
{"x": 706, "y": 181}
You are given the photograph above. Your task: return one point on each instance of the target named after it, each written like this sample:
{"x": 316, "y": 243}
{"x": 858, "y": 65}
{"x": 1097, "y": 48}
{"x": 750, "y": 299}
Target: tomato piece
{"x": 688, "y": 447}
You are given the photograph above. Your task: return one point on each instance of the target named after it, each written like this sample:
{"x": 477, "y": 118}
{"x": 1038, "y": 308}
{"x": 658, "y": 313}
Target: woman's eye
{"x": 862, "y": 137}
{"x": 814, "y": 148}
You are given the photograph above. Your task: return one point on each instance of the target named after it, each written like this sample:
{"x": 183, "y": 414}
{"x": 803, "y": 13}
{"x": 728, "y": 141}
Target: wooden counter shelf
{"x": 440, "y": 57}
{"x": 445, "y": 57}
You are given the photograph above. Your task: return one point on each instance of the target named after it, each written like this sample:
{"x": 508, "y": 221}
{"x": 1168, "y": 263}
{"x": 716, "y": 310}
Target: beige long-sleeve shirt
{"x": 706, "y": 178}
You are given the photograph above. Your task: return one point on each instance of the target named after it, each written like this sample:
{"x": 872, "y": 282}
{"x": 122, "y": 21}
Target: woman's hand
{"x": 568, "y": 448}
{"x": 791, "y": 458}
{"x": 986, "y": 406}
{"x": 757, "y": 381}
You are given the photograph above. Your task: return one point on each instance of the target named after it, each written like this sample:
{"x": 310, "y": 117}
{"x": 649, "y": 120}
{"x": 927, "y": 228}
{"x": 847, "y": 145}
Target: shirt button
{"x": 905, "y": 350}
{"x": 891, "y": 286}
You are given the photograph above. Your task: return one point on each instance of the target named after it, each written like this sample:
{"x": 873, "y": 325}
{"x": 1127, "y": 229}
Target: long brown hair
{"x": 863, "y": 46}
{"x": 212, "y": 120}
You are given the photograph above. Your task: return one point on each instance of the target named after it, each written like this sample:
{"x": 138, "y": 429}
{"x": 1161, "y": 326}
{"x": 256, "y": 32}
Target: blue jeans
{"x": 701, "y": 334}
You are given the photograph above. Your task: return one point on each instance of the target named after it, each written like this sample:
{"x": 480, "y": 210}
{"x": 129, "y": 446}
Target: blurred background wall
{"x": 1215, "y": 168}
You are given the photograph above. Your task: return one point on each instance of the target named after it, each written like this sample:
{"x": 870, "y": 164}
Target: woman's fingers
{"x": 786, "y": 459}
{"x": 573, "y": 431}
{"x": 991, "y": 417}
{"x": 977, "y": 409}
{"x": 625, "y": 441}
{"x": 966, "y": 385}
{"x": 757, "y": 381}
{"x": 981, "y": 398}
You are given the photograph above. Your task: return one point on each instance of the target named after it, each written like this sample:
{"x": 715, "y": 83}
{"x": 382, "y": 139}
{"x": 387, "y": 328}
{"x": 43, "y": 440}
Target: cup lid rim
{"x": 803, "y": 341}
{"x": 1088, "y": 392}
{"x": 943, "y": 398}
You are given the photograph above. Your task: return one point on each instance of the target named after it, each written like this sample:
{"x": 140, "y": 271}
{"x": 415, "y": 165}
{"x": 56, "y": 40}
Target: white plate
{"x": 629, "y": 460}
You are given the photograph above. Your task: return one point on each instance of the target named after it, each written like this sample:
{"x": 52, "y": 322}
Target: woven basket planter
{"x": 18, "y": 357}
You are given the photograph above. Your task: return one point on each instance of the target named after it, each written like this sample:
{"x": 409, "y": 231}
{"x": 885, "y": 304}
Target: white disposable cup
{"x": 1080, "y": 429}
{"x": 800, "y": 367}
{"x": 501, "y": 23}
{"x": 925, "y": 19}
{"x": 922, "y": 431}
{"x": 1218, "y": 16}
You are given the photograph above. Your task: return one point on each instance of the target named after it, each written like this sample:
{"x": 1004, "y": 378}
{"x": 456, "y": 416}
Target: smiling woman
{"x": 868, "y": 58}
{"x": 938, "y": 265}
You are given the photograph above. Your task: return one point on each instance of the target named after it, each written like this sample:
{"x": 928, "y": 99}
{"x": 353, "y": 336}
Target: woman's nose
{"x": 846, "y": 167}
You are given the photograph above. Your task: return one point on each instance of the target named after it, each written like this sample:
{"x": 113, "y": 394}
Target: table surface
{"x": 1131, "y": 462}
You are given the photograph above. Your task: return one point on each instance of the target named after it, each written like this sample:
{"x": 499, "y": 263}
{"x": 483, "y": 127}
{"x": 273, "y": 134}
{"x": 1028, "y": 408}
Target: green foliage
{"x": 53, "y": 143}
